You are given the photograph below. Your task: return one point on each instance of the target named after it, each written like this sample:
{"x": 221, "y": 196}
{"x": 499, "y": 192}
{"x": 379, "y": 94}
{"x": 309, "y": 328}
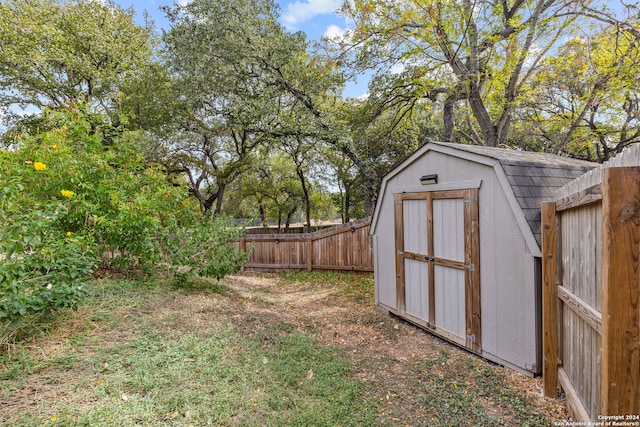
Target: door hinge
{"x": 400, "y": 252}
{"x": 471, "y": 267}
{"x": 431, "y": 326}
{"x": 472, "y": 338}
{"x": 398, "y": 202}
{"x": 469, "y": 200}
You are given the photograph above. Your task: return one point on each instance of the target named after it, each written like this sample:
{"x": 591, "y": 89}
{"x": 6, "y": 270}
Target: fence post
{"x": 243, "y": 248}
{"x": 549, "y": 301}
{"x": 620, "y": 367}
{"x": 310, "y": 254}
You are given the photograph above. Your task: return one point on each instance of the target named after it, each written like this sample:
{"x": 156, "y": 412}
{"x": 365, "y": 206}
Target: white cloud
{"x": 302, "y": 11}
{"x": 334, "y": 32}
{"x": 397, "y": 68}
{"x": 337, "y": 35}
{"x": 533, "y": 55}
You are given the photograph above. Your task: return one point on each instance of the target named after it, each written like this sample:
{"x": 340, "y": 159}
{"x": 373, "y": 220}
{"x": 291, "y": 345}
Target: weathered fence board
{"x": 344, "y": 247}
{"x": 591, "y": 290}
{"x": 621, "y": 291}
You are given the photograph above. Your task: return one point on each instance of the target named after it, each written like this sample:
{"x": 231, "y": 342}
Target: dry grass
{"x": 407, "y": 376}
{"x": 401, "y": 365}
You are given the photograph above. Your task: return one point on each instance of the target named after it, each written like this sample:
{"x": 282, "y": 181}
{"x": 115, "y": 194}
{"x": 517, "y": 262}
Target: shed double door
{"x": 437, "y": 263}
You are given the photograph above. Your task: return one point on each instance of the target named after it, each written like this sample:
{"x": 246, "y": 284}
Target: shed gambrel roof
{"x": 534, "y": 177}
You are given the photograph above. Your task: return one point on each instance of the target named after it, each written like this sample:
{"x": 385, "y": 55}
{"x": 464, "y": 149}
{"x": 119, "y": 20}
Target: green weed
{"x": 468, "y": 391}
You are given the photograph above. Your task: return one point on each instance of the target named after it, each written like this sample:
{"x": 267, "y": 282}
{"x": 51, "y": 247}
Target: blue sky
{"x": 315, "y": 17}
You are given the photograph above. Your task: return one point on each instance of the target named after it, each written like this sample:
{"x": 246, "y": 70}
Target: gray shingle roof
{"x": 533, "y": 176}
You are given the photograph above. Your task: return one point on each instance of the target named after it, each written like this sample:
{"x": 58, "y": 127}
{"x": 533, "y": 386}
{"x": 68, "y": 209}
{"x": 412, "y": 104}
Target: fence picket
{"x": 592, "y": 306}
{"x": 344, "y": 247}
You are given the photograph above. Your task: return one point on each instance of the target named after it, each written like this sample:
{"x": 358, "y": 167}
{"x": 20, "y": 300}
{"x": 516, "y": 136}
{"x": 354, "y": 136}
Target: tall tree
{"x": 380, "y": 137}
{"x": 475, "y": 55}
{"x": 345, "y": 180}
{"x": 301, "y": 151}
{"x": 59, "y": 54}
{"x": 584, "y": 101}
{"x": 239, "y": 78}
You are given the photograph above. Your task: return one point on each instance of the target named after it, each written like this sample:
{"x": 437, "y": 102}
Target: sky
{"x": 315, "y": 17}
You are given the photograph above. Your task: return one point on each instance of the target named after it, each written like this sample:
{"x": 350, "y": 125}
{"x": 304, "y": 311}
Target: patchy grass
{"x": 290, "y": 349}
{"x": 469, "y": 391}
{"x": 358, "y": 286}
{"x": 113, "y": 363}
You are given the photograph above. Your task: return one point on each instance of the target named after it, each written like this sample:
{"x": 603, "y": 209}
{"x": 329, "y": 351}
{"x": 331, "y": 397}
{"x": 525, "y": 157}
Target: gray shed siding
{"x": 508, "y": 290}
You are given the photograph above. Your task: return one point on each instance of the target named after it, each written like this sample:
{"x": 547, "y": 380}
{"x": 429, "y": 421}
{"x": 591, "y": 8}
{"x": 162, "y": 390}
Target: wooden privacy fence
{"x": 591, "y": 291}
{"x": 344, "y": 247}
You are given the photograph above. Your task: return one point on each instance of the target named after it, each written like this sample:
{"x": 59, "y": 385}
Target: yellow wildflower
{"x": 67, "y": 193}
{"x": 68, "y": 233}
{"x": 54, "y": 146}
{"x": 39, "y": 166}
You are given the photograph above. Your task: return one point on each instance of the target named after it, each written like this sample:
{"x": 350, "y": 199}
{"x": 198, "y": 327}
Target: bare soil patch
{"x": 393, "y": 358}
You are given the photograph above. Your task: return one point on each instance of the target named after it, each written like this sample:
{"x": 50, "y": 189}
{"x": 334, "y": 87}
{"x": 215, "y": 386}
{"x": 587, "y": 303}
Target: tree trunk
{"x": 288, "y": 220}
{"x": 346, "y": 218}
{"x": 307, "y": 202}
{"x": 205, "y": 202}
{"x": 448, "y": 112}
{"x": 370, "y": 198}
{"x": 263, "y": 215}
{"x": 279, "y": 221}
{"x": 220, "y": 192}
{"x": 480, "y": 113}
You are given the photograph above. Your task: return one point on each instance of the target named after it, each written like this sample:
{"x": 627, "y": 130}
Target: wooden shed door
{"x": 438, "y": 263}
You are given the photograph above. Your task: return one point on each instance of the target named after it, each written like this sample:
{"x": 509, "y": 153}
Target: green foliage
{"x": 381, "y": 137}
{"x": 44, "y": 265}
{"x": 70, "y": 201}
{"x": 107, "y": 191}
{"x": 272, "y": 190}
{"x": 222, "y": 95}
{"x": 55, "y": 54}
{"x": 43, "y": 269}
{"x": 241, "y": 83}
{"x": 204, "y": 250}
{"x": 583, "y": 101}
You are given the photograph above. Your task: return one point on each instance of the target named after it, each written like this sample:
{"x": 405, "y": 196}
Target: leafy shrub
{"x": 80, "y": 194}
{"x": 43, "y": 268}
{"x": 204, "y": 250}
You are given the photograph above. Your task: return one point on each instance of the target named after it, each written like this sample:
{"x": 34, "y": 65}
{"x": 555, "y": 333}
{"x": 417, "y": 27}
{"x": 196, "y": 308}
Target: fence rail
{"x": 343, "y": 247}
{"x": 591, "y": 291}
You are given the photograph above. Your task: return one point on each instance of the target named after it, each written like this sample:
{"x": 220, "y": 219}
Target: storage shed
{"x": 456, "y": 234}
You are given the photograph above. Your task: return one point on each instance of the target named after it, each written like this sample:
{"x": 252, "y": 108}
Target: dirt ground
{"x": 404, "y": 369}
{"x": 388, "y": 351}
